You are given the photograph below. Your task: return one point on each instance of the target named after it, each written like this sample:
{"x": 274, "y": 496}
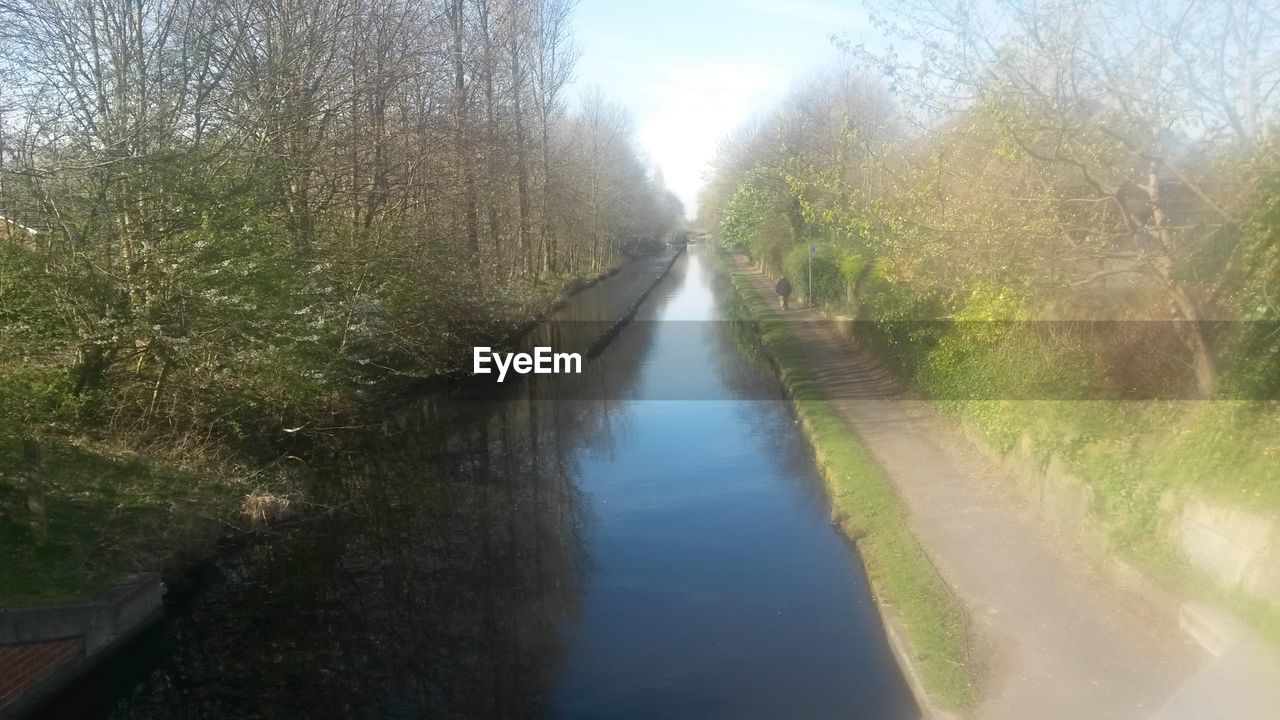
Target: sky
{"x": 691, "y": 71}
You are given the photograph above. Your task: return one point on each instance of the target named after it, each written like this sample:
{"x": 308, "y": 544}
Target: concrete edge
{"x": 1214, "y": 628}
{"x": 603, "y": 341}
{"x": 895, "y": 633}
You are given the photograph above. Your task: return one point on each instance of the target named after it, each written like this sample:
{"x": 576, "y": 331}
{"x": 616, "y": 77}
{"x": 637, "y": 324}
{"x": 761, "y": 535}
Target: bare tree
{"x": 1134, "y": 103}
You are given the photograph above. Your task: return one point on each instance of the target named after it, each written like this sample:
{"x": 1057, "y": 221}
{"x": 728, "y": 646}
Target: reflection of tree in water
{"x": 438, "y": 583}
{"x": 438, "y": 589}
{"x": 744, "y": 367}
{"x": 762, "y": 406}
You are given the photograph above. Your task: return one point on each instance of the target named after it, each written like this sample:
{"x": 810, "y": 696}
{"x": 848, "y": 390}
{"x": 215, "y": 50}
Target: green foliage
{"x": 108, "y": 514}
{"x": 899, "y": 321}
{"x": 756, "y": 218}
{"x": 743, "y": 215}
{"x": 828, "y": 282}
{"x": 1252, "y": 353}
{"x": 853, "y": 265}
{"x": 37, "y": 342}
{"x": 990, "y": 345}
{"x": 232, "y": 251}
{"x": 1036, "y": 204}
{"x": 1138, "y": 457}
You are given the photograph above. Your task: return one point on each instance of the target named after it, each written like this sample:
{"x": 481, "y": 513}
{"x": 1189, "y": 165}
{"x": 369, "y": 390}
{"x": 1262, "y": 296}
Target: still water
{"x": 657, "y": 547}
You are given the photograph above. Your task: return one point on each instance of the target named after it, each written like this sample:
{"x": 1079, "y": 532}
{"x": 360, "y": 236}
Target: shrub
{"x": 828, "y": 281}
{"x": 902, "y": 322}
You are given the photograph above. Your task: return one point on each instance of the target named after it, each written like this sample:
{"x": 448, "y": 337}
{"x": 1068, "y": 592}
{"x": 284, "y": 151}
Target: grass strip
{"x": 866, "y": 509}
{"x": 105, "y": 515}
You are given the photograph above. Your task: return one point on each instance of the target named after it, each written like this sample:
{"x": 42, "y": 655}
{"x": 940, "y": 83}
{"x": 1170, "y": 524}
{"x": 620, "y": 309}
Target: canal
{"x": 649, "y": 539}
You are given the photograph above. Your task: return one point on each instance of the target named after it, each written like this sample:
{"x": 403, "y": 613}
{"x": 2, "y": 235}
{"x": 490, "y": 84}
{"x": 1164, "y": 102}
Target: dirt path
{"x": 1052, "y": 637}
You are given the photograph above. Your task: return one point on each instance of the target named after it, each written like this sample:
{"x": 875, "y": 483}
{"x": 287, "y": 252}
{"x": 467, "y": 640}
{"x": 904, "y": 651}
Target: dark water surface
{"x": 536, "y": 557}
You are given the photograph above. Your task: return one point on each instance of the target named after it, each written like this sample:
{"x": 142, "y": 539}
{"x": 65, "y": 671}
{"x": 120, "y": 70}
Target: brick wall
{"x": 37, "y": 642}
{"x": 24, "y": 665}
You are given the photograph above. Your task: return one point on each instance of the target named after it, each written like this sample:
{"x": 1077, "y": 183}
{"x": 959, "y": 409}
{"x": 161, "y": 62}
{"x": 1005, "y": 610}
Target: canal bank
{"x": 1051, "y": 636}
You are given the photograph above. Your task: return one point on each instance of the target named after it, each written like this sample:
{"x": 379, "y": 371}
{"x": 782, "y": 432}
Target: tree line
{"x": 1089, "y": 159}
{"x": 220, "y": 211}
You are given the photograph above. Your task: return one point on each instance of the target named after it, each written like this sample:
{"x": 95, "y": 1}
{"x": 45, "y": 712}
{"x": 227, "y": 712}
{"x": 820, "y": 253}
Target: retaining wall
{"x": 45, "y": 648}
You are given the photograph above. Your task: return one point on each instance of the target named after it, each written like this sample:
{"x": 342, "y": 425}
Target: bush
{"x": 903, "y": 323}
{"x": 828, "y": 281}
{"x": 1251, "y": 349}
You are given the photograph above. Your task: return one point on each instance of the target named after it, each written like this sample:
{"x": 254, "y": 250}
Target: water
{"x": 613, "y": 555}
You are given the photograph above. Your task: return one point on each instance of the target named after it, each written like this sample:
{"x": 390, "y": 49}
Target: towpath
{"x": 1053, "y": 637}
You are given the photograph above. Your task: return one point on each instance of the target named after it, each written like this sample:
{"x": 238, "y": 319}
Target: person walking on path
{"x": 783, "y": 288}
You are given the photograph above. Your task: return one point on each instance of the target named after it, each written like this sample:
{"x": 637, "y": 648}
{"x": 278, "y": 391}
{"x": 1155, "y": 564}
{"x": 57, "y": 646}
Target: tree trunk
{"x": 37, "y": 502}
{"x": 522, "y": 165}
{"x": 1202, "y": 361}
{"x": 461, "y": 145}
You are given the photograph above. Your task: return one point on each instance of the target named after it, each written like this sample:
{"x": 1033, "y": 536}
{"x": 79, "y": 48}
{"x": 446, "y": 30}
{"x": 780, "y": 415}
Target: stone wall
{"x": 1238, "y": 548}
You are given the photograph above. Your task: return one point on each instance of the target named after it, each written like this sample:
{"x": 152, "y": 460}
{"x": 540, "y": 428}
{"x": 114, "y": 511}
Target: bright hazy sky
{"x": 691, "y": 71}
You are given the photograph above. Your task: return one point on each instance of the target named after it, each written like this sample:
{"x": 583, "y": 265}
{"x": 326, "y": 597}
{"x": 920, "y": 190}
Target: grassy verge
{"x": 95, "y": 515}
{"x": 866, "y": 508}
